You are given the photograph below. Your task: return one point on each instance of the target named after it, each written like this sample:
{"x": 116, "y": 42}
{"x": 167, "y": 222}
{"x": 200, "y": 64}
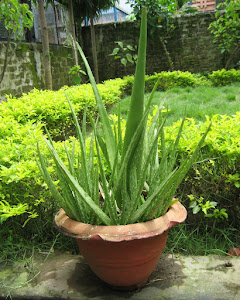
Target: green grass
{"x": 198, "y": 102}
{"x": 204, "y": 238}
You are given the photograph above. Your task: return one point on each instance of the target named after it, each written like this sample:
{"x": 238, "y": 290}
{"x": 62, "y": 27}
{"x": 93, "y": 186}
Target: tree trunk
{"x": 235, "y": 51}
{"x": 171, "y": 65}
{"x": 45, "y": 45}
{"x": 6, "y": 57}
{"x": 94, "y": 49}
{"x": 72, "y": 31}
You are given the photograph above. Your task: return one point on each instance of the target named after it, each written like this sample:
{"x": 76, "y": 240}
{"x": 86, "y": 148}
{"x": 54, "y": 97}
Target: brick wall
{"x": 190, "y": 46}
{"x": 25, "y": 68}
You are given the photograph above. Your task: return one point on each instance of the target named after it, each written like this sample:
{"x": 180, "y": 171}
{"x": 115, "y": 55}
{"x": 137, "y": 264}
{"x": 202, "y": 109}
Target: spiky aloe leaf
{"x": 75, "y": 185}
{"x": 136, "y": 109}
{"x": 109, "y": 203}
{"x": 172, "y": 181}
{"x": 68, "y": 207}
{"x": 107, "y": 129}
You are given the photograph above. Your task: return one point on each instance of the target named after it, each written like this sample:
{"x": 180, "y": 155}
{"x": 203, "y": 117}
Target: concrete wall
{"x": 25, "y": 68}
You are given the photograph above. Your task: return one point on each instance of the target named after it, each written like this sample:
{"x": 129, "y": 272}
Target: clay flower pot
{"x": 123, "y": 256}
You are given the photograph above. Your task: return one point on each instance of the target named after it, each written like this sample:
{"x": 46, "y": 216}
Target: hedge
{"x": 216, "y": 175}
{"x": 224, "y": 77}
{"x": 51, "y": 108}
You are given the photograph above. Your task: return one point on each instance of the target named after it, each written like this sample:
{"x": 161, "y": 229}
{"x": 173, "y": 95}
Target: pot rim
{"x": 175, "y": 215}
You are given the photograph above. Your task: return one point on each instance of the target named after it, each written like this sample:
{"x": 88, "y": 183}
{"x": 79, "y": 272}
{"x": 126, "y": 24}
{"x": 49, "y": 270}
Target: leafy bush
{"x": 168, "y": 80}
{"x": 216, "y": 178}
{"x": 22, "y": 190}
{"x": 50, "y": 107}
{"x": 224, "y": 77}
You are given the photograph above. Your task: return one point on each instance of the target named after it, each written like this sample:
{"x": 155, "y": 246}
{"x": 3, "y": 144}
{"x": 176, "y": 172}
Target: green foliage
{"x": 198, "y": 204}
{"x": 125, "y": 54}
{"x": 76, "y": 71}
{"x": 160, "y": 13}
{"x": 22, "y": 189}
{"x": 55, "y": 112}
{"x": 168, "y": 80}
{"x": 17, "y": 17}
{"x": 18, "y": 171}
{"x": 224, "y": 77}
{"x": 215, "y": 177}
{"x": 226, "y": 27}
{"x": 231, "y": 97}
{"x": 7, "y": 211}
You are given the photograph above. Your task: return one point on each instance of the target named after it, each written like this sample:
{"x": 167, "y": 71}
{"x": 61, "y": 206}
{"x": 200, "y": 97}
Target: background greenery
{"x": 26, "y": 206}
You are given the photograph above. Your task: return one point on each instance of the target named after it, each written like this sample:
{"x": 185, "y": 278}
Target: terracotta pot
{"x": 123, "y": 256}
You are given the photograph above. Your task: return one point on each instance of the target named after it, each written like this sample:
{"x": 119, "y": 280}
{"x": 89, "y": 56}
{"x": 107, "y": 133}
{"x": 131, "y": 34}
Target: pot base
{"x": 123, "y": 264}
{"x": 128, "y": 288}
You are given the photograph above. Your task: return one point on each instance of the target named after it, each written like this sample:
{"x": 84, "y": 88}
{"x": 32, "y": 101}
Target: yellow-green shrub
{"x": 168, "y": 80}
{"x": 216, "y": 175}
{"x": 22, "y": 188}
{"x": 224, "y": 77}
{"x": 50, "y": 107}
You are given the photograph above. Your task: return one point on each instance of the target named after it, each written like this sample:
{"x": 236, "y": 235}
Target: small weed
{"x": 188, "y": 89}
{"x": 202, "y": 239}
{"x": 231, "y": 97}
{"x": 175, "y": 90}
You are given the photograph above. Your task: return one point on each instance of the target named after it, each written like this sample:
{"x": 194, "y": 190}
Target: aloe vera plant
{"x": 133, "y": 161}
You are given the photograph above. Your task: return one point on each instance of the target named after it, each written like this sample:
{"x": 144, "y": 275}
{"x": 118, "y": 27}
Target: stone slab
{"x": 65, "y": 276}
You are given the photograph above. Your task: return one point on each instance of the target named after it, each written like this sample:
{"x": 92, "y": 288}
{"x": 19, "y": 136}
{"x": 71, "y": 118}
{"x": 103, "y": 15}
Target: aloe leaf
{"x": 152, "y": 93}
{"x": 142, "y": 209}
{"x": 119, "y": 129}
{"x": 70, "y": 210}
{"x": 85, "y": 196}
{"x": 69, "y": 196}
{"x": 49, "y": 136}
{"x": 179, "y": 174}
{"x": 127, "y": 157}
{"x": 173, "y": 157}
{"x": 108, "y": 134}
{"x": 84, "y": 124}
{"x": 108, "y": 202}
{"x": 143, "y": 173}
{"x": 103, "y": 147}
{"x": 73, "y": 152}
{"x": 80, "y": 212}
{"x": 82, "y": 145}
{"x": 155, "y": 122}
{"x": 136, "y": 109}
{"x": 173, "y": 179}
{"x": 70, "y": 160}
{"x": 126, "y": 200}
{"x": 95, "y": 194}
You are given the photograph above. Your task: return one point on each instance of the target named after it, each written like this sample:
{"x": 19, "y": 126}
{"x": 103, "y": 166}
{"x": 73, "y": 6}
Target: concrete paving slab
{"x": 64, "y": 276}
